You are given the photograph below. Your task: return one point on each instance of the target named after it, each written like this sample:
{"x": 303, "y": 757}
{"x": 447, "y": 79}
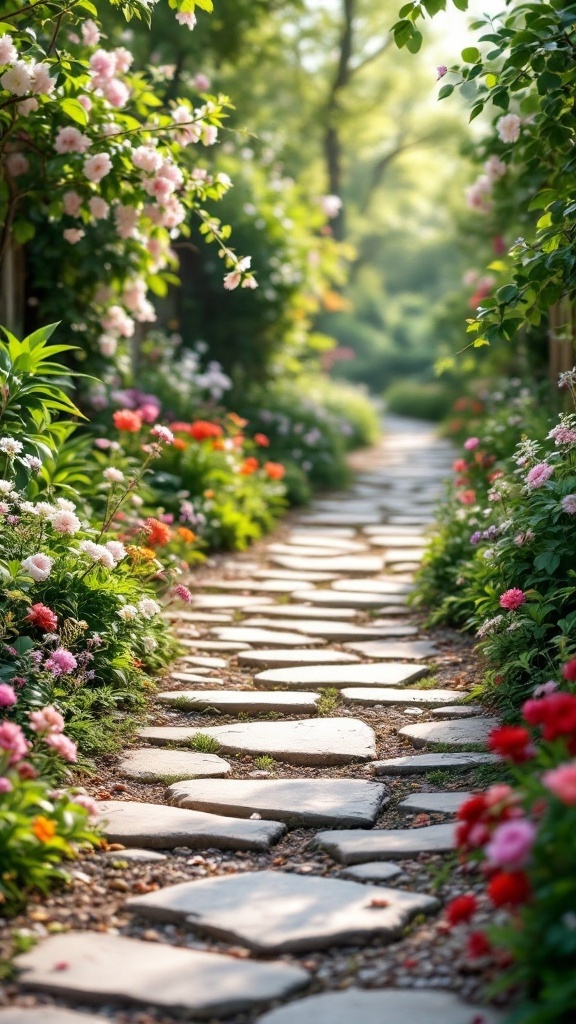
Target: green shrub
{"x": 426, "y": 401}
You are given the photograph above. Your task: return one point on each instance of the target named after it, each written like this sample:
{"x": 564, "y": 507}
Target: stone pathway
{"x": 256, "y": 775}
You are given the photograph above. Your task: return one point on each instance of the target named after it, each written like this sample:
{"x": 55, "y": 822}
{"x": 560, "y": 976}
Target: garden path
{"x": 305, "y": 840}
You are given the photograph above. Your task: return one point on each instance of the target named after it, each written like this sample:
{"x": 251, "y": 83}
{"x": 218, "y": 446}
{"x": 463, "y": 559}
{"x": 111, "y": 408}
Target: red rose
{"x": 569, "y": 671}
{"x": 201, "y": 430}
{"x": 461, "y": 909}
{"x": 511, "y": 741}
{"x": 509, "y": 888}
{"x": 556, "y": 713}
{"x": 478, "y": 945}
{"x": 262, "y": 440}
{"x": 126, "y": 419}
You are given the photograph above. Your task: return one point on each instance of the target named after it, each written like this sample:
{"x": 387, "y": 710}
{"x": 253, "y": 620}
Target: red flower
{"x": 569, "y": 671}
{"x": 249, "y": 466}
{"x": 472, "y": 809}
{"x": 201, "y": 430}
{"x": 262, "y": 440}
{"x": 556, "y": 713}
{"x": 509, "y": 888}
{"x": 179, "y": 428}
{"x": 43, "y": 617}
{"x": 275, "y": 470}
{"x": 158, "y": 533}
{"x": 461, "y": 909}
{"x": 467, "y": 497}
{"x": 511, "y": 741}
{"x": 126, "y": 419}
{"x": 478, "y": 945}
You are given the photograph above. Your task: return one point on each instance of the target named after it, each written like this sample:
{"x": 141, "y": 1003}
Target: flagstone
{"x": 430, "y": 803}
{"x": 382, "y": 1006}
{"x": 338, "y": 676}
{"x": 401, "y": 542}
{"x": 416, "y": 764}
{"x": 136, "y": 855}
{"x": 387, "y": 529}
{"x": 373, "y": 871}
{"x": 274, "y": 912}
{"x": 313, "y": 550}
{"x": 339, "y": 519}
{"x": 194, "y": 617}
{"x": 457, "y": 711}
{"x": 226, "y": 600}
{"x": 395, "y": 590}
{"x": 345, "y": 532}
{"x": 149, "y": 764}
{"x": 284, "y": 657}
{"x": 324, "y": 539}
{"x": 46, "y": 1015}
{"x": 158, "y": 827}
{"x": 103, "y": 968}
{"x": 331, "y": 563}
{"x": 336, "y": 598}
{"x": 352, "y": 846}
{"x": 397, "y": 556}
{"x": 305, "y": 611}
{"x": 470, "y": 732}
{"x": 291, "y": 574}
{"x": 411, "y": 520}
{"x": 338, "y": 632}
{"x": 250, "y": 585}
{"x": 195, "y": 677}
{"x": 408, "y": 650}
{"x": 344, "y": 803}
{"x": 372, "y": 695}
{"x": 255, "y": 637}
{"x": 321, "y": 741}
{"x": 219, "y": 646}
{"x": 202, "y": 662}
{"x": 231, "y": 702}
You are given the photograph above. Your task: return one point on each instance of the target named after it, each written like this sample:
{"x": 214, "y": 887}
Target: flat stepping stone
{"x": 408, "y": 650}
{"x": 233, "y": 702}
{"x": 346, "y": 532}
{"x": 304, "y": 611}
{"x": 289, "y": 574}
{"x": 383, "y": 1006}
{"x": 298, "y": 802}
{"x": 412, "y": 520}
{"x": 390, "y": 587}
{"x": 157, "y": 827}
{"x": 313, "y": 550}
{"x": 338, "y": 563}
{"x": 404, "y": 540}
{"x": 46, "y": 1015}
{"x": 202, "y": 662}
{"x": 222, "y": 646}
{"x": 196, "y": 616}
{"x": 339, "y": 518}
{"x": 417, "y": 764}
{"x": 320, "y": 539}
{"x": 406, "y": 554}
{"x": 285, "y": 658}
{"x": 470, "y": 732}
{"x": 438, "y": 803}
{"x": 276, "y": 912}
{"x": 148, "y": 764}
{"x": 395, "y": 629}
{"x": 355, "y": 845}
{"x": 339, "y": 632}
{"x": 386, "y": 530}
{"x": 105, "y": 968}
{"x": 136, "y": 855}
{"x": 372, "y": 695}
{"x": 336, "y": 598}
{"x": 389, "y": 674}
{"x": 322, "y": 741}
{"x": 373, "y": 871}
{"x": 457, "y": 711}
{"x": 267, "y": 637}
{"x": 261, "y": 586}
{"x": 194, "y": 677}
{"x": 226, "y": 601}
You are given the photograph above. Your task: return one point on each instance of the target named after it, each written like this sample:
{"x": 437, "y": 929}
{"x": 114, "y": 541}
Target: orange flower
{"x": 262, "y": 440}
{"x": 249, "y": 466}
{"x": 43, "y": 828}
{"x": 158, "y": 533}
{"x": 238, "y": 440}
{"x": 237, "y": 420}
{"x": 180, "y": 444}
{"x": 275, "y": 470}
{"x": 179, "y": 427}
{"x": 141, "y": 554}
{"x": 185, "y": 534}
{"x": 201, "y": 430}
{"x": 218, "y": 445}
{"x": 209, "y": 494}
{"x": 126, "y": 419}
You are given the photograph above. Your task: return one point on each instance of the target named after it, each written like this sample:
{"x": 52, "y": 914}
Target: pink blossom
{"x": 149, "y": 412}
{"x": 63, "y": 745}
{"x": 71, "y": 140}
{"x": 98, "y": 553}
{"x": 495, "y": 167}
{"x": 209, "y": 135}
{"x": 72, "y": 203}
{"x": 90, "y": 32}
{"x": 232, "y": 280}
{"x": 124, "y": 59}
{"x": 73, "y": 235}
{"x": 5, "y": 785}
{"x": 116, "y": 93}
{"x": 172, "y": 172}
{"x": 26, "y": 770}
{"x": 508, "y": 128}
{"x": 512, "y": 599}
{"x": 562, "y": 782}
{"x": 17, "y": 164}
{"x": 27, "y": 106}
{"x": 116, "y": 549}
{"x": 97, "y": 167}
{"x": 538, "y": 475}
{"x": 471, "y": 443}
{"x": 42, "y": 84}
{"x": 65, "y": 522}
{"x": 38, "y": 566}
{"x": 98, "y": 207}
{"x": 511, "y": 844}
{"x": 441, "y": 70}
{"x": 7, "y": 696}
{"x": 117, "y": 322}
{"x": 103, "y": 66}
{"x": 46, "y": 720}
{"x": 174, "y": 213}
{"x": 163, "y": 434}
{"x": 85, "y": 102}
{"x": 478, "y": 194}
{"x": 201, "y": 82}
{"x": 8, "y": 52}
{"x": 126, "y": 218}
{"x": 61, "y": 662}
{"x": 17, "y": 79}
{"x": 13, "y": 741}
{"x": 568, "y": 504}
{"x": 183, "y": 593}
{"x": 159, "y": 188}
{"x": 187, "y": 19}
{"x": 147, "y": 158}
{"x": 563, "y": 434}
{"x": 87, "y": 802}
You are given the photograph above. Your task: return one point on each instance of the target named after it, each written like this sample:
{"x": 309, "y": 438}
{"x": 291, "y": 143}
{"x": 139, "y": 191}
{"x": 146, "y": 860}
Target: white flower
{"x": 32, "y": 462}
{"x": 98, "y": 553}
{"x": 6, "y": 486}
{"x": 38, "y": 566}
{"x": 69, "y": 506}
{"x": 65, "y": 521}
{"x": 17, "y": 79}
{"x": 113, "y": 475}
{"x": 128, "y": 612}
{"x": 148, "y": 608}
{"x": 44, "y": 509}
{"x": 508, "y": 127}
{"x": 149, "y": 644}
{"x": 10, "y": 446}
{"x": 116, "y": 549}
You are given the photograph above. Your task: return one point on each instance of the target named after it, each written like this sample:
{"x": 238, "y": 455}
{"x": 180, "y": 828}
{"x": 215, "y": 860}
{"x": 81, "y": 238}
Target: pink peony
{"x": 147, "y": 158}
{"x": 87, "y": 802}
{"x": 61, "y": 662}
{"x": 66, "y": 522}
{"x": 562, "y": 782}
{"x": 471, "y": 443}
{"x": 511, "y": 844}
{"x": 116, "y": 93}
{"x": 5, "y": 785}
{"x": 13, "y": 741}
{"x": 72, "y": 203}
{"x": 17, "y": 164}
{"x": 508, "y": 128}
{"x": 568, "y": 504}
{"x": 7, "y": 696}
{"x": 97, "y": 167}
{"x": 8, "y": 52}
{"x": 38, "y": 567}
{"x": 73, "y": 235}
{"x": 71, "y": 140}
{"x": 46, "y": 720}
{"x": 98, "y": 207}
{"x": 538, "y": 475}
{"x": 63, "y": 745}
{"x": 512, "y": 599}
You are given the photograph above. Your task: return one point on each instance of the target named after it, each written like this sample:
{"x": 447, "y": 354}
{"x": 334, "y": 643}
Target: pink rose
{"x": 562, "y": 782}
{"x": 512, "y": 599}
{"x": 511, "y": 844}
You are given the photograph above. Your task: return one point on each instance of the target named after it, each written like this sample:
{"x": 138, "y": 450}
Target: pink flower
{"x": 38, "y": 566}
{"x": 85, "y": 801}
{"x": 63, "y": 745}
{"x": 27, "y": 106}
{"x": 163, "y": 434}
{"x": 71, "y": 140}
{"x": 17, "y": 79}
{"x": 46, "y": 720}
{"x": 539, "y": 474}
{"x": 85, "y": 102}
{"x": 511, "y": 844}
{"x": 72, "y": 203}
{"x": 562, "y": 782}
{"x": 147, "y": 158}
{"x": 471, "y": 443}
{"x": 209, "y": 135}
{"x": 512, "y": 599}
{"x": 201, "y": 82}
{"x": 73, "y": 235}
{"x": 103, "y": 65}
{"x": 116, "y": 549}
{"x": 42, "y": 84}
{"x": 183, "y": 593}
{"x": 61, "y": 662}
{"x": 186, "y": 19}
{"x": 508, "y": 128}
{"x": 232, "y": 280}
{"x": 7, "y": 696}
{"x": 8, "y": 52}
{"x": 66, "y": 522}
{"x": 568, "y": 504}
{"x": 97, "y": 167}
{"x": 90, "y": 33}
{"x": 13, "y": 741}
{"x": 545, "y": 688}
{"x": 441, "y": 70}
{"x": 116, "y": 92}
{"x": 17, "y": 164}
{"x": 5, "y": 785}
{"x": 160, "y": 188}
{"x": 563, "y": 434}
{"x": 149, "y": 412}
{"x": 126, "y": 218}
{"x": 124, "y": 59}
{"x": 98, "y": 207}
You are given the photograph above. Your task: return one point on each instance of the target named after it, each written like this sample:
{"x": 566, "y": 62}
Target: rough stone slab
{"x": 346, "y": 532}
{"x": 323, "y": 741}
{"x": 373, "y": 871}
{"x": 353, "y": 846}
{"x": 394, "y": 555}
{"x": 285, "y": 658}
{"x": 384, "y": 674}
{"x": 439, "y": 803}
{"x": 233, "y": 702}
{"x": 311, "y": 549}
{"x": 278, "y": 586}
{"x": 46, "y": 1015}
{"x": 400, "y": 540}
{"x": 157, "y": 827}
{"x": 395, "y": 629}
{"x": 290, "y": 574}
{"x": 148, "y": 764}
{"x": 388, "y": 530}
{"x": 382, "y": 1006}
{"x": 227, "y": 601}
{"x": 336, "y": 598}
{"x": 408, "y": 650}
{"x": 341, "y": 518}
{"x": 102, "y": 968}
{"x": 411, "y": 520}
{"x": 219, "y": 646}
{"x": 338, "y": 632}
{"x": 202, "y": 617}
{"x": 344, "y": 803}
{"x": 337, "y": 563}
{"x": 391, "y": 587}
{"x": 195, "y": 677}
{"x": 267, "y": 637}
{"x": 325, "y": 539}
{"x": 304, "y": 611}
{"x": 270, "y": 911}
{"x": 201, "y": 662}
{"x": 457, "y": 711}
{"x": 470, "y": 732}
{"x": 416, "y": 764}
{"x": 373, "y": 695}
{"x": 136, "y": 855}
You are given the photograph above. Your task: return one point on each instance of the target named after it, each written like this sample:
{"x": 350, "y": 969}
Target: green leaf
{"x": 73, "y": 109}
{"x": 23, "y": 231}
{"x": 205, "y": 5}
{"x": 491, "y": 80}
{"x": 462, "y": 5}
{"x": 542, "y": 199}
{"x": 402, "y": 31}
{"x": 445, "y": 91}
{"x": 415, "y": 41}
{"x": 470, "y": 55}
